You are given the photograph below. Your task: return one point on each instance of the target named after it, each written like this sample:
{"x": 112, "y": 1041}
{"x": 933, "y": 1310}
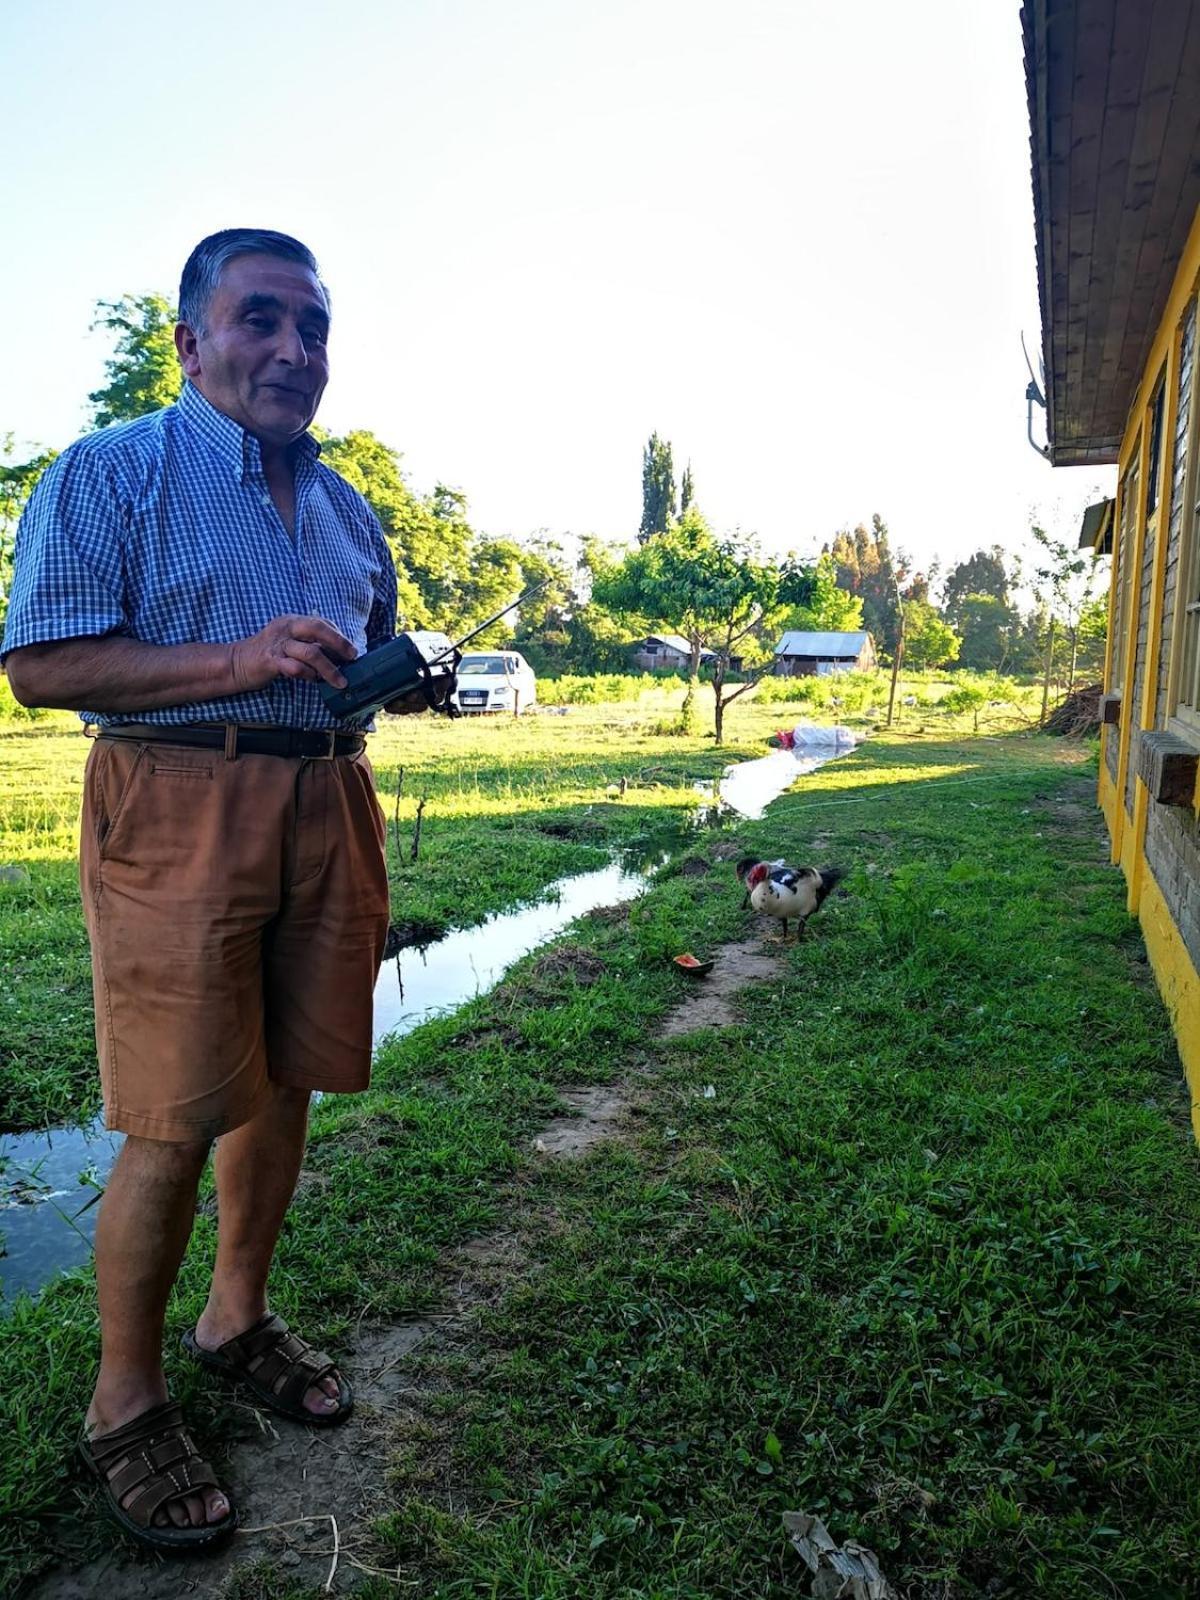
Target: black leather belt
{"x": 300, "y": 743}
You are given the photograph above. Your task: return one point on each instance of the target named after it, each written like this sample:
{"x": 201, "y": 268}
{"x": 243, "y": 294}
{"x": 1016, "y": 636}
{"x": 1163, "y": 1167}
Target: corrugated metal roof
{"x": 821, "y": 644}
{"x": 676, "y": 641}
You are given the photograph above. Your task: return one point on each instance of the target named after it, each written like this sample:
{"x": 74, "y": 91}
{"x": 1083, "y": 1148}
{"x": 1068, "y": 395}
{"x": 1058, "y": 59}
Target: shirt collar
{"x": 239, "y": 449}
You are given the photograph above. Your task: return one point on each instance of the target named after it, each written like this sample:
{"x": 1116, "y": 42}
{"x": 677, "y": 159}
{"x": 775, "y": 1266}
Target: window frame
{"x": 1183, "y": 719}
{"x": 1129, "y": 492}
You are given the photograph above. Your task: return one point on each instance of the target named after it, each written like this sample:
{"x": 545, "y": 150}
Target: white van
{"x": 495, "y": 680}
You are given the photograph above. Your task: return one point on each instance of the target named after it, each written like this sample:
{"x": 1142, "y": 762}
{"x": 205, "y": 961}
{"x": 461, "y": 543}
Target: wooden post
{"x": 899, "y": 656}
{"x": 414, "y": 854}
{"x": 1049, "y": 664}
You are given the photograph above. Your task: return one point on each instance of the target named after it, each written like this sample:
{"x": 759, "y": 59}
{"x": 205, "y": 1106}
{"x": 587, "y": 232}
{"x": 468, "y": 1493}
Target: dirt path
{"x": 293, "y": 1484}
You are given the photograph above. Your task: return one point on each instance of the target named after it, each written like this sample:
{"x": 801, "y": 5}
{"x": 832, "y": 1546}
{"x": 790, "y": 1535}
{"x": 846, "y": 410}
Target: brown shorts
{"x": 237, "y": 912}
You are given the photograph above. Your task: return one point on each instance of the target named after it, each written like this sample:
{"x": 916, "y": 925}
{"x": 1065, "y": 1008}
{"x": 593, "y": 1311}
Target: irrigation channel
{"x": 51, "y": 1180}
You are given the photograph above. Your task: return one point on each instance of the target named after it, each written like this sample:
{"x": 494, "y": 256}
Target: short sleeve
{"x": 67, "y": 563}
{"x": 381, "y": 622}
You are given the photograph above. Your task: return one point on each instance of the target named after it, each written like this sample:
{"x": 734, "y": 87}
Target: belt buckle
{"x": 331, "y": 753}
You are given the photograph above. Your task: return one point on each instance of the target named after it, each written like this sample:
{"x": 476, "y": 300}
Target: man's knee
{"x": 166, "y": 1161}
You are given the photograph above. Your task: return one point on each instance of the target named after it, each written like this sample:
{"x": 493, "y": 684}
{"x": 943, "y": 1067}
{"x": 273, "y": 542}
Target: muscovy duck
{"x": 787, "y": 893}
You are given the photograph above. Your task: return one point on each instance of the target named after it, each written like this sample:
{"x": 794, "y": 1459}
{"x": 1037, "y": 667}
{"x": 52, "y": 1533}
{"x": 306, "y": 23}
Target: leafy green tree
{"x": 970, "y": 697}
{"x": 983, "y": 573}
{"x": 929, "y": 642}
{"x": 447, "y": 575}
{"x": 990, "y": 628}
{"x": 717, "y": 593}
{"x": 1067, "y": 581}
{"x": 143, "y": 372}
{"x": 868, "y": 569}
{"x": 543, "y": 625}
{"x": 1092, "y": 636}
{"x": 687, "y": 489}
{"x": 830, "y": 609}
{"x": 17, "y": 481}
{"x": 658, "y": 488}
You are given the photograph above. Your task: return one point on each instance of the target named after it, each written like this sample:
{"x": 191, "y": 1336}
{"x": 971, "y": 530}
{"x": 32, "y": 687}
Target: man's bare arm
{"x": 113, "y": 673}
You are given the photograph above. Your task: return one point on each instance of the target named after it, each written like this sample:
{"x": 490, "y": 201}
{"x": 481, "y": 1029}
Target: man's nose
{"x": 290, "y": 347}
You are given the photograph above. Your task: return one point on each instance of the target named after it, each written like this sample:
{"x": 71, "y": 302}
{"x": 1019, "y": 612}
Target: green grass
{"x": 924, "y": 1264}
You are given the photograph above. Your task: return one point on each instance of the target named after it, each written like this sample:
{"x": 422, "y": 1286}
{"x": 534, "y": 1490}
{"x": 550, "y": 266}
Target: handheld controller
{"x": 409, "y": 663}
{"x": 416, "y": 662}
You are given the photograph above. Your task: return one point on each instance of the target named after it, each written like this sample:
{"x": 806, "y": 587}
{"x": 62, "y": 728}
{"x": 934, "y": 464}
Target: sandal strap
{"x": 279, "y": 1362}
{"x": 149, "y": 1461}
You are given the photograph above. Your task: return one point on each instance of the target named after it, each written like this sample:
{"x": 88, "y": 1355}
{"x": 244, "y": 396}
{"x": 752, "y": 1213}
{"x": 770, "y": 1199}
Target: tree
{"x": 550, "y": 610}
{"x": 830, "y": 609}
{"x": 1092, "y": 635}
{"x": 980, "y": 574}
{"x": 990, "y": 629}
{"x": 143, "y": 372}
{"x": 1067, "y": 581}
{"x": 928, "y": 641}
{"x": 448, "y": 577}
{"x": 687, "y": 489}
{"x": 866, "y": 569}
{"x": 17, "y": 481}
{"x": 658, "y": 489}
{"x": 717, "y": 593}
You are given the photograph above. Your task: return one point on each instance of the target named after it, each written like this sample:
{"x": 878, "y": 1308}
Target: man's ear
{"x": 187, "y": 345}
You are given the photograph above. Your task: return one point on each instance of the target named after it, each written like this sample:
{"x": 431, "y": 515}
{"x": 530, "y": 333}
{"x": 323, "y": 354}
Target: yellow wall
{"x": 1178, "y": 981}
{"x": 1174, "y": 969}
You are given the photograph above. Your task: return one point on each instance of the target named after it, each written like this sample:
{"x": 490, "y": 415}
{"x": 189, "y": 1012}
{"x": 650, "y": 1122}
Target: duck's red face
{"x": 757, "y": 875}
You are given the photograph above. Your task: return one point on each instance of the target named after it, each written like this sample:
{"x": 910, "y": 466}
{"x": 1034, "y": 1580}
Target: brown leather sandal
{"x": 149, "y": 1462}
{"x": 279, "y": 1367}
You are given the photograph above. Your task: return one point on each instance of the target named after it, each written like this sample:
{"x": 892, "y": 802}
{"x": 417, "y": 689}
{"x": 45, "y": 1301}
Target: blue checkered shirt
{"x": 164, "y": 530}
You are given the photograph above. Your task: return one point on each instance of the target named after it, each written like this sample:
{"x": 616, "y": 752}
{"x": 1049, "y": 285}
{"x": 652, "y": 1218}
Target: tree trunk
{"x": 720, "y": 667}
{"x": 1074, "y": 659}
{"x": 688, "y": 713}
{"x": 896, "y": 669}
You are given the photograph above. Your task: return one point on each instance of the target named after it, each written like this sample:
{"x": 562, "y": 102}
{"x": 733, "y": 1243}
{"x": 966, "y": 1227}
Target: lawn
{"x": 923, "y": 1262}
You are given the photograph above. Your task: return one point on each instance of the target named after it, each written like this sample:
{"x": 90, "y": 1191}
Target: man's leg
{"x": 257, "y": 1166}
{"x": 142, "y": 1230}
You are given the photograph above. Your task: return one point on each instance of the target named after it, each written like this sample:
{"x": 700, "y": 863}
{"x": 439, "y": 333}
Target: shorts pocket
{"x": 167, "y": 769}
{"x": 112, "y": 791}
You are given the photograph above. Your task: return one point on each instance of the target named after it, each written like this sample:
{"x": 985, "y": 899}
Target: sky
{"x": 793, "y": 237}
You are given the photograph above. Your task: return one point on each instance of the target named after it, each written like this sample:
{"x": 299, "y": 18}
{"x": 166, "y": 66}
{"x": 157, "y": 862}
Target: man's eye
{"x": 313, "y": 335}
{"x": 259, "y": 324}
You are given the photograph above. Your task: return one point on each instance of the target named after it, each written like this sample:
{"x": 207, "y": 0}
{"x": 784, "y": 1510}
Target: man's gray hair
{"x": 202, "y": 272}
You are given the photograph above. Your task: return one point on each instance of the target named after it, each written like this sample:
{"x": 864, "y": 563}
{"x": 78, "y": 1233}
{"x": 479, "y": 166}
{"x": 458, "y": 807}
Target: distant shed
{"x": 666, "y": 652}
{"x": 817, "y": 655}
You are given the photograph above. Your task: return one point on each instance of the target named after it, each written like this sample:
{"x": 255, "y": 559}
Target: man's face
{"x": 261, "y": 357}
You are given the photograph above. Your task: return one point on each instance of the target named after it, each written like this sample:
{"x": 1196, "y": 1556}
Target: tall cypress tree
{"x": 687, "y": 489}
{"x": 658, "y": 488}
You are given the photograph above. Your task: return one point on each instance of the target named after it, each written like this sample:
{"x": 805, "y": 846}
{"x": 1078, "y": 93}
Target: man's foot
{"x": 158, "y": 1486}
{"x": 283, "y": 1370}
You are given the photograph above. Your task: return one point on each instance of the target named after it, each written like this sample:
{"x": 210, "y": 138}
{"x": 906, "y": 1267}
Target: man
{"x": 185, "y": 581}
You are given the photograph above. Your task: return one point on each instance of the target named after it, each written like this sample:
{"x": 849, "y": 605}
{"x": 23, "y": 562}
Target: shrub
{"x": 600, "y": 688}
{"x": 11, "y": 709}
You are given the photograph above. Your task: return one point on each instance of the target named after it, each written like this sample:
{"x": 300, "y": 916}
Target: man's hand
{"x": 406, "y": 705}
{"x": 290, "y": 647}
